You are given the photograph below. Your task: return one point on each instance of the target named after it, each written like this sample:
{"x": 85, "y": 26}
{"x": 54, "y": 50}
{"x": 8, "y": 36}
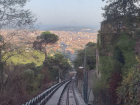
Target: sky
{"x": 83, "y": 13}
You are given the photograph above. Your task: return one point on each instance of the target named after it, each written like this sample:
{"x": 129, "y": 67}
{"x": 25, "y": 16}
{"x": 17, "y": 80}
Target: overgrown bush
{"x": 116, "y": 65}
{"x": 129, "y": 91}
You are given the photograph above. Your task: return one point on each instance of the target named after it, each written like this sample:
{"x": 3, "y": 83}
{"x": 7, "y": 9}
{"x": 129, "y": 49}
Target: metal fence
{"x": 42, "y": 98}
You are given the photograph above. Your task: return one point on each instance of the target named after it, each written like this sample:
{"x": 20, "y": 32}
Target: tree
{"x": 125, "y": 11}
{"x": 12, "y": 18}
{"x": 58, "y": 63}
{"x": 122, "y": 7}
{"x": 90, "y": 56}
{"x": 91, "y": 44}
{"x": 43, "y": 40}
{"x": 12, "y": 14}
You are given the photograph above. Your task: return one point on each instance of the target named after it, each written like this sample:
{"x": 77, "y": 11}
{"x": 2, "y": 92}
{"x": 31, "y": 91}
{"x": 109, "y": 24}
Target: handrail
{"x": 62, "y": 93}
{"x": 42, "y": 98}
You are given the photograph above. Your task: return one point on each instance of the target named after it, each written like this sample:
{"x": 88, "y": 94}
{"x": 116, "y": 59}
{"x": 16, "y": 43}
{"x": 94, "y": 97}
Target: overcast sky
{"x": 67, "y": 12}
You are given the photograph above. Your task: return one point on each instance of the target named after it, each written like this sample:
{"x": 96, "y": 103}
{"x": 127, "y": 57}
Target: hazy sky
{"x": 67, "y": 12}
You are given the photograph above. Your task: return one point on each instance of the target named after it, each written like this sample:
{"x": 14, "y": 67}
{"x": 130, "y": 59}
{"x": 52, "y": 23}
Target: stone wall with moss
{"x": 118, "y": 56}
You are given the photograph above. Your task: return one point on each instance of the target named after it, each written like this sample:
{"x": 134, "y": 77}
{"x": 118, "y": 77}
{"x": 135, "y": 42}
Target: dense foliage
{"x": 58, "y": 64}
{"x": 118, "y": 60}
{"x": 119, "y": 8}
{"x": 128, "y": 92}
{"x": 116, "y": 67}
{"x": 90, "y": 57}
{"x": 27, "y": 73}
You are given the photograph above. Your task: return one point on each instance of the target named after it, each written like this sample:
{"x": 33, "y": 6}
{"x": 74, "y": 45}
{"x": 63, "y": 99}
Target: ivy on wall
{"x": 115, "y": 66}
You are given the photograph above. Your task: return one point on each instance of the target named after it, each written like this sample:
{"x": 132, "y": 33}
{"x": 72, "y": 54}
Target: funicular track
{"x": 45, "y": 96}
{"x": 69, "y": 97}
{"x": 63, "y": 93}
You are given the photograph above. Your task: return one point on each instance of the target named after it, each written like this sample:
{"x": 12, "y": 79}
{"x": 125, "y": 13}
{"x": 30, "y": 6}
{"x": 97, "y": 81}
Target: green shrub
{"x": 126, "y": 45}
{"x": 28, "y": 75}
{"x": 128, "y": 91}
{"x": 121, "y": 59}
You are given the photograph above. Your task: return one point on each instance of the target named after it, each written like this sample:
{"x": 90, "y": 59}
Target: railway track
{"x": 64, "y": 93}
{"x": 69, "y": 97}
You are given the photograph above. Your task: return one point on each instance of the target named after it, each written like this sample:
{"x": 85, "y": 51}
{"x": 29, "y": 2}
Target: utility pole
{"x": 85, "y": 61}
{"x": 85, "y": 85}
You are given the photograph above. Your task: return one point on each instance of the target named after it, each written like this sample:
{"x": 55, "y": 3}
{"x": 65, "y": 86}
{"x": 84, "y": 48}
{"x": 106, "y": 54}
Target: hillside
{"x": 74, "y": 29}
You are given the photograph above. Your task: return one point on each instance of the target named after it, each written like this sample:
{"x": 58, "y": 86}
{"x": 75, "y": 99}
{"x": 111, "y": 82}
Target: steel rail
{"x": 71, "y": 89}
{"x": 60, "y": 99}
{"x": 67, "y": 101}
{"x": 74, "y": 95}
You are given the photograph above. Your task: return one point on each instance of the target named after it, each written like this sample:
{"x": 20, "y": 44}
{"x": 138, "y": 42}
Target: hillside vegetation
{"x": 26, "y": 57}
{"x": 119, "y": 55}
{"x": 25, "y": 74}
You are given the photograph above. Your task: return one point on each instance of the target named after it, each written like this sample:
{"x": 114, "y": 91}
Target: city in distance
{"x": 70, "y": 39}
